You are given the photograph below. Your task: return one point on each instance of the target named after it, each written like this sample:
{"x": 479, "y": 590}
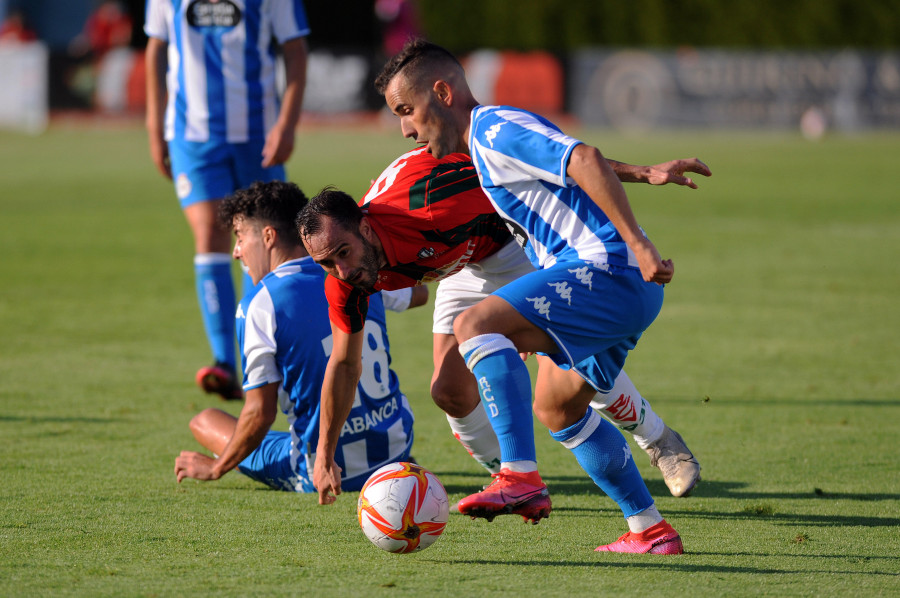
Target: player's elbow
{"x": 419, "y": 296}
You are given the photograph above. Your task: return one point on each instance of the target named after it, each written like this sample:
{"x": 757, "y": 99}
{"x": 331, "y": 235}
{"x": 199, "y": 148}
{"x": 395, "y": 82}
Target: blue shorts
{"x": 271, "y": 463}
{"x": 596, "y": 314}
{"x": 214, "y": 170}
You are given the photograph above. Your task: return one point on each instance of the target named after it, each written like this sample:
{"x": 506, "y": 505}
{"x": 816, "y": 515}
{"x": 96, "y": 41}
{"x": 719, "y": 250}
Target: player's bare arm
{"x": 280, "y": 140}
{"x": 156, "y": 104}
{"x": 590, "y": 170}
{"x": 256, "y": 418}
{"x": 661, "y": 174}
{"x": 338, "y": 389}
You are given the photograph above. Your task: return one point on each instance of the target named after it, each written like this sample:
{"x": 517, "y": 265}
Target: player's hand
{"x": 190, "y": 464}
{"x": 327, "y": 480}
{"x": 279, "y": 146}
{"x": 673, "y": 172}
{"x": 159, "y": 153}
{"x": 653, "y": 267}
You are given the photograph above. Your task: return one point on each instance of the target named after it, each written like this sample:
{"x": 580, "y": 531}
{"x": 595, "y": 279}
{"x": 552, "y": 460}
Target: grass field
{"x": 777, "y": 356}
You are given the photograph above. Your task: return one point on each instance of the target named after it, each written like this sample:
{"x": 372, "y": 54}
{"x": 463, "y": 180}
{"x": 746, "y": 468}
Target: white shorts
{"x": 474, "y": 282}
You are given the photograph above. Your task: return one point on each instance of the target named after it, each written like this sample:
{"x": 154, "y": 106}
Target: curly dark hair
{"x": 331, "y": 203}
{"x": 415, "y": 60}
{"x": 275, "y": 204}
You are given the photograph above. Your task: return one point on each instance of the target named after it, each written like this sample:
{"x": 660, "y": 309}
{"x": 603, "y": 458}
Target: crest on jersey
{"x": 425, "y": 253}
{"x": 213, "y": 13}
{"x": 183, "y": 186}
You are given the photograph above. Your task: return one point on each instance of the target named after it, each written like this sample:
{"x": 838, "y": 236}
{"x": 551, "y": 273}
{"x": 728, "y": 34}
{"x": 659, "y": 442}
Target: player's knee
{"x": 456, "y": 396}
{"x": 201, "y": 422}
{"x": 471, "y": 323}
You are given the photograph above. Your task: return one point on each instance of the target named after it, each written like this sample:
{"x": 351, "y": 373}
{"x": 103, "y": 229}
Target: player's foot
{"x": 220, "y": 379}
{"x": 511, "y": 492}
{"x": 679, "y": 467}
{"x": 658, "y": 539}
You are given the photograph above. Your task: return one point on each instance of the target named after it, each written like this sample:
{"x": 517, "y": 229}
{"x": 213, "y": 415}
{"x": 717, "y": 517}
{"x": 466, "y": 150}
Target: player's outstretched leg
{"x": 626, "y": 408}
{"x": 505, "y": 390}
{"x": 602, "y": 452}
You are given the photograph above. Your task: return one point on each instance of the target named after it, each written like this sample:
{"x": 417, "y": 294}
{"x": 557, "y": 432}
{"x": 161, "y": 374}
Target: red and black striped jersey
{"x": 432, "y": 219}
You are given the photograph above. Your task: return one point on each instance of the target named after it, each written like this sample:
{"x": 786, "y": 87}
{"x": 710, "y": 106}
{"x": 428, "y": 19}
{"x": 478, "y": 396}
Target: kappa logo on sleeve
{"x": 491, "y": 133}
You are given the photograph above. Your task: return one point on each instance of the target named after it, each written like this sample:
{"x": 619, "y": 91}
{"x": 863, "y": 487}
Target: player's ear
{"x": 269, "y": 236}
{"x": 443, "y": 92}
{"x": 365, "y": 229}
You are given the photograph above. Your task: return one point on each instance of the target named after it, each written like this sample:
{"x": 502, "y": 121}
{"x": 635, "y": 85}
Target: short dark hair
{"x": 333, "y": 204}
{"x": 414, "y": 60}
{"x": 275, "y": 203}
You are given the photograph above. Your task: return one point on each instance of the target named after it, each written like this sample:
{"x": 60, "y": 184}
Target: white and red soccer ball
{"x": 403, "y": 508}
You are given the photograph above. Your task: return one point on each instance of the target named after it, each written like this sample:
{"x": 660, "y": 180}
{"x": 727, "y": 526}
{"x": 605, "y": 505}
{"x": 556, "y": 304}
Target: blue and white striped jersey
{"x": 221, "y": 79}
{"x": 285, "y": 336}
{"x": 521, "y": 159}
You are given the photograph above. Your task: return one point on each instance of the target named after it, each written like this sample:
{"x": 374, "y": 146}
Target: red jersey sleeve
{"x": 347, "y": 305}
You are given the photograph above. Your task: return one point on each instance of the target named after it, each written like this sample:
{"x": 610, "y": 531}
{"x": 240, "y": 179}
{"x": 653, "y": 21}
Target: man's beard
{"x": 369, "y": 266}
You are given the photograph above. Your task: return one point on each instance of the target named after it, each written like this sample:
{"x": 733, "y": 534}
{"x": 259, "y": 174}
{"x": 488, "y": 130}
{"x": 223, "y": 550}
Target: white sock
{"x": 520, "y": 466}
{"x": 644, "y": 520}
{"x": 474, "y": 432}
{"x": 625, "y": 407}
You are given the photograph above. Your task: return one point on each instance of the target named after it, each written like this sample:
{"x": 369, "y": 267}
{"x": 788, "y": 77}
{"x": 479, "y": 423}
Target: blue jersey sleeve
{"x": 514, "y": 146}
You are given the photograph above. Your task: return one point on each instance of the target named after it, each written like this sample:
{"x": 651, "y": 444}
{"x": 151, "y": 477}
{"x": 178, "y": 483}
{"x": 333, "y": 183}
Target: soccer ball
{"x": 403, "y": 508}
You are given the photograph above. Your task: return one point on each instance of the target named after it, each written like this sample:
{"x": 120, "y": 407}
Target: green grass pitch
{"x": 776, "y": 356}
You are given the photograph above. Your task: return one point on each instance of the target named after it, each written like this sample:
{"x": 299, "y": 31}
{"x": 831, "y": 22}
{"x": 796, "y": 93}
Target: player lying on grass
{"x": 426, "y": 220}
{"x": 597, "y": 288}
{"x": 285, "y": 338}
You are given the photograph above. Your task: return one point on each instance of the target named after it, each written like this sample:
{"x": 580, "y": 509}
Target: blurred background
{"x": 817, "y": 65}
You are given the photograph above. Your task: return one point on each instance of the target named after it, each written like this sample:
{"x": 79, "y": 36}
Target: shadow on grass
{"x": 717, "y": 489}
{"x": 664, "y": 564}
{"x": 56, "y": 419}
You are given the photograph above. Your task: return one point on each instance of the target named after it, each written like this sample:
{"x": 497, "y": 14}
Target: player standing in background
{"x": 216, "y": 124}
{"x": 598, "y": 286}
{"x": 285, "y": 338}
{"x": 423, "y": 220}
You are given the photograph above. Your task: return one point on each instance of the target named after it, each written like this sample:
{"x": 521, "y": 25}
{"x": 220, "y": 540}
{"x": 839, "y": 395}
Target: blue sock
{"x": 215, "y": 293}
{"x": 505, "y": 389}
{"x": 602, "y": 452}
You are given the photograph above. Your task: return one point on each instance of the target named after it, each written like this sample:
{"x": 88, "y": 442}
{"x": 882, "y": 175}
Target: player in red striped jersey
{"x": 422, "y": 221}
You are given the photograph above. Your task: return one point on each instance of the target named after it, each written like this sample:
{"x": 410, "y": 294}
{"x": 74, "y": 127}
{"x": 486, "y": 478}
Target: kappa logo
{"x": 584, "y": 275}
{"x": 541, "y": 305}
{"x": 491, "y": 133}
{"x": 425, "y": 253}
{"x": 627, "y": 451}
{"x": 563, "y": 290}
{"x": 240, "y": 312}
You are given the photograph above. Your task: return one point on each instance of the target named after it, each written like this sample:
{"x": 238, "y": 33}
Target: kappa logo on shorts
{"x": 541, "y": 305}
{"x": 183, "y": 186}
{"x": 584, "y": 275}
{"x": 563, "y": 290}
